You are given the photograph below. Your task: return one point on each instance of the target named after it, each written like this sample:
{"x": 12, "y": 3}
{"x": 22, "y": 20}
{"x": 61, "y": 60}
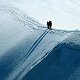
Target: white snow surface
{"x": 24, "y": 42}
{"x": 65, "y": 14}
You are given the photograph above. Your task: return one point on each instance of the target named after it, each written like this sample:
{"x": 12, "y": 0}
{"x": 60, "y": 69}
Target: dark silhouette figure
{"x": 49, "y": 24}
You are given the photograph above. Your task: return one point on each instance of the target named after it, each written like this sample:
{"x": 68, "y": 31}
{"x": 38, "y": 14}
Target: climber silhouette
{"x": 49, "y": 24}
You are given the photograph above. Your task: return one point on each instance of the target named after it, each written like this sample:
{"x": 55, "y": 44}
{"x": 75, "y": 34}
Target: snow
{"x": 62, "y": 63}
{"x": 16, "y": 26}
{"x": 64, "y": 13}
{"x": 26, "y": 46}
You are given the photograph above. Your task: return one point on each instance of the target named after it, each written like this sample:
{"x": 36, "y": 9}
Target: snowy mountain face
{"x": 13, "y": 32}
{"x": 64, "y": 13}
{"x": 63, "y": 62}
{"x": 28, "y": 50}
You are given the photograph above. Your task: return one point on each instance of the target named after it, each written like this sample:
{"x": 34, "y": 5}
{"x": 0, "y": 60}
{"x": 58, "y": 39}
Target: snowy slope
{"x": 13, "y": 26}
{"x": 63, "y": 62}
{"x": 24, "y": 43}
{"x": 65, "y": 14}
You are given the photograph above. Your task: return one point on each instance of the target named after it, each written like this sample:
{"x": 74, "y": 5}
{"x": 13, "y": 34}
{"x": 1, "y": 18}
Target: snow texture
{"x": 29, "y": 51}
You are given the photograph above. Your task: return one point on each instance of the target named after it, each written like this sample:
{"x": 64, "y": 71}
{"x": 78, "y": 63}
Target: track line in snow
{"x": 31, "y": 50}
{"x": 34, "y": 45}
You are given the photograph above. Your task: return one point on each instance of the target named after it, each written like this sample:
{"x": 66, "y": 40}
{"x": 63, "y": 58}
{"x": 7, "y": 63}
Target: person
{"x": 49, "y": 24}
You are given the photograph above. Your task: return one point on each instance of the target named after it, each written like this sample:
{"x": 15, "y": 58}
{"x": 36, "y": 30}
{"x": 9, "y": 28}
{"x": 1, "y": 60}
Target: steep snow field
{"x": 27, "y": 46}
{"x": 63, "y": 62}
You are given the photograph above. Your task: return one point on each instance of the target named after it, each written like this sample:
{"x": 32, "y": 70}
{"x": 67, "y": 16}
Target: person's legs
{"x": 48, "y": 27}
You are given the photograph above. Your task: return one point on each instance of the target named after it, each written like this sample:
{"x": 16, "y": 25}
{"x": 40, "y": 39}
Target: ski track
{"x": 31, "y": 50}
{"x": 31, "y": 66}
{"x": 17, "y": 17}
{"x": 34, "y": 45}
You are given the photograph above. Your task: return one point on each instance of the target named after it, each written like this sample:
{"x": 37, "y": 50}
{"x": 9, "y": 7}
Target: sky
{"x": 65, "y": 14}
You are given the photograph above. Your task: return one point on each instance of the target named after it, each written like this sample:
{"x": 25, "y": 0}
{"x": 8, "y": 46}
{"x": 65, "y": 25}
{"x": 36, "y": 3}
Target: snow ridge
{"x": 40, "y": 46}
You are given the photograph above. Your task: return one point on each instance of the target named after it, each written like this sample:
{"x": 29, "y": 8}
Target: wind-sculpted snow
{"x": 24, "y": 43}
{"x": 62, "y": 63}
